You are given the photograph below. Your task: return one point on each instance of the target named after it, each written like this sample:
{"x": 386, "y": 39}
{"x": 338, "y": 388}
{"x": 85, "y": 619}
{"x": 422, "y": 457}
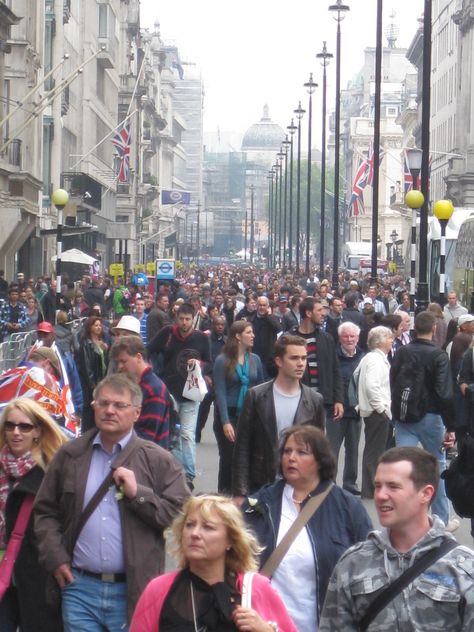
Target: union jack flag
{"x": 356, "y": 204}
{"x": 364, "y": 177}
{"x": 121, "y": 142}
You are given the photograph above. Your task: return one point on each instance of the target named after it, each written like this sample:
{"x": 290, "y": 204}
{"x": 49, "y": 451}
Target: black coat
{"x": 330, "y": 380}
{"x": 255, "y": 461}
{"x": 29, "y": 575}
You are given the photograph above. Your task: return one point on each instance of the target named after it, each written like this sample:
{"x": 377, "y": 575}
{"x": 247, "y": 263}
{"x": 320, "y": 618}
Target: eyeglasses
{"x": 22, "y": 426}
{"x": 105, "y": 403}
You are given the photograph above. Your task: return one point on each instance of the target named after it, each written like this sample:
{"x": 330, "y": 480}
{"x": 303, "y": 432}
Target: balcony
{"x": 107, "y": 56}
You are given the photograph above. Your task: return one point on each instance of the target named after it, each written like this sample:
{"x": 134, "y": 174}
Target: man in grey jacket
{"x": 121, "y": 546}
{"x": 441, "y": 597}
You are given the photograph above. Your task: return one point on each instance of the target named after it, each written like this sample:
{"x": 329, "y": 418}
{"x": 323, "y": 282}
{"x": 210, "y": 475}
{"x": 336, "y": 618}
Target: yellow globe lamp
{"x": 443, "y": 209}
{"x": 60, "y": 198}
{"x": 414, "y": 199}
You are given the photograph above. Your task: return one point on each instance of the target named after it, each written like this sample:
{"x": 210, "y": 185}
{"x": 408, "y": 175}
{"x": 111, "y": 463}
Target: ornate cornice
{"x": 464, "y": 18}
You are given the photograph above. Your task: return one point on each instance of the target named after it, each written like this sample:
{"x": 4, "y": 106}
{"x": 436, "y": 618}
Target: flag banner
{"x": 121, "y": 143}
{"x": 364, "y": 176}
{"x": 175, "y": 197}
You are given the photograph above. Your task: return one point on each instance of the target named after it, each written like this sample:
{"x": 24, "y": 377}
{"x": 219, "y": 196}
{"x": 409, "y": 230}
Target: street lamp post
{"x": 252, "y": 229}
{"x": 339, "y": 11}
{"x": 292, "y": 129}
{"x": 276, "y": 168}
{"x": 324, "y": 56}
{"x": 280, "y": 157}
{"x": 413, "y": 156}
{"x": 442, "y": 210}
{"x": 299, "y": 112}
{"x": 285, "y": 145}
{"x": 245, "y": 233}
{"x": 422, "y": 290}
{"x": 270, "y": 217}
{"x": 60, "y": 198}
{"x": 310, "y": 87}
{"x": 414, "y": 199}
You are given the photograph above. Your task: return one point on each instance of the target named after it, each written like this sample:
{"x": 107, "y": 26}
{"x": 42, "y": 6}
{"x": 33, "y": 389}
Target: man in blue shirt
{"x": 121, "y": 546}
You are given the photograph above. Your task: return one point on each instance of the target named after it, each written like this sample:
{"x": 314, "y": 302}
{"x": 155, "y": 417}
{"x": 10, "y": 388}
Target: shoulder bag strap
{"x": 14, "y": 543}
{"x": 100, "y": 493}
{"x": 385, "y": 597}
{"x": 247, "y": 590}
{"x": 310, "y": 508}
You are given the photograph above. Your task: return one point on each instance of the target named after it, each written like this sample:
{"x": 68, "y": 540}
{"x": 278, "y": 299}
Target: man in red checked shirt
{"x": 129, "y": 355}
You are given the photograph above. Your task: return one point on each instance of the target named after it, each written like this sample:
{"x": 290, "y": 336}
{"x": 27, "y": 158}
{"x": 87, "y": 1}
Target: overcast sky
{"x": 253, "y": 52}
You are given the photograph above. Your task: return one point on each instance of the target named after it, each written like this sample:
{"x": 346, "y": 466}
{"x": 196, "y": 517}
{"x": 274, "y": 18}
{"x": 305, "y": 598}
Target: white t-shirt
{"x": 295, "y": 577}
{"x": 285, "y": 408}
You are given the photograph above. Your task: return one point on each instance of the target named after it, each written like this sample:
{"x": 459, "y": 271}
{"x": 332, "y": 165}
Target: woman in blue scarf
{"x": 236, "y": 370}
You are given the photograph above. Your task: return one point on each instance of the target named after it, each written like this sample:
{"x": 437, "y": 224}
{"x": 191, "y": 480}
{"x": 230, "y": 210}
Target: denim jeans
{"x": 429, "y": 431}
{"x": 185, "y": 451}
{"x": 91, "y": 605}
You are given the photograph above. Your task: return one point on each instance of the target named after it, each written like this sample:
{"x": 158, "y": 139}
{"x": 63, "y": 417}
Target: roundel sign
{"x": 165, "y": 269}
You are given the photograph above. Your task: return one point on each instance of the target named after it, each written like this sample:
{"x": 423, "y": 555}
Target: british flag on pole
{"x": 121, "y": 142}
{"x": 356, "y": 204}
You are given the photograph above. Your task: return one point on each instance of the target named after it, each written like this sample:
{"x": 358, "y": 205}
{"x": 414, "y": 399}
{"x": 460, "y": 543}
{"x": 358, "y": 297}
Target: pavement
{"x": 206, "y": 479}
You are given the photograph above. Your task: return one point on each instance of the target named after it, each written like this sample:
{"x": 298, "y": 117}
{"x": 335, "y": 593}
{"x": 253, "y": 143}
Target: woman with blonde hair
{"x": 217, "y": 555}
{"x": 29, "y": 438}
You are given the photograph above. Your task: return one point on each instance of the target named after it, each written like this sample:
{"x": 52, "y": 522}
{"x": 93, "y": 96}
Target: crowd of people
{"x": 97, "y": 430}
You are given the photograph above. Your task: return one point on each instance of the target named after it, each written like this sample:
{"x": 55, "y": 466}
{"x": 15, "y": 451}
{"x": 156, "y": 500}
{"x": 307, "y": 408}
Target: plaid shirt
{"x": 7, "y": 315}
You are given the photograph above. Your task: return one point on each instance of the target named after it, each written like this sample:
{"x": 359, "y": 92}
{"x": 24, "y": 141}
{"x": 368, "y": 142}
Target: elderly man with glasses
{"x": 102, "y": 509}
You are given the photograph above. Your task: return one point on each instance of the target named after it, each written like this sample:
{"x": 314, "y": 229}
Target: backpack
{"x": 459, "y": 479}
{"x": 409, "y": 400}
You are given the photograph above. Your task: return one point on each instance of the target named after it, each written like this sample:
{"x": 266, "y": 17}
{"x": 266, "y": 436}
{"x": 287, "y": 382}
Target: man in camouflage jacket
{"x": 441, "y": 597}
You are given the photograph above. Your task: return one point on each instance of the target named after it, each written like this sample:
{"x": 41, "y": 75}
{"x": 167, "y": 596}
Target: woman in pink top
{"x": 216, "y": 552}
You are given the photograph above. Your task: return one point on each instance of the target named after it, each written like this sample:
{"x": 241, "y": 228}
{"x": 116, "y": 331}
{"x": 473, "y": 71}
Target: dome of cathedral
{"x": 264, "y": 135}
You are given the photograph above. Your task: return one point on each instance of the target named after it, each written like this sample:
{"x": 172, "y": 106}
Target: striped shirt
{"x": 312, "y": 351}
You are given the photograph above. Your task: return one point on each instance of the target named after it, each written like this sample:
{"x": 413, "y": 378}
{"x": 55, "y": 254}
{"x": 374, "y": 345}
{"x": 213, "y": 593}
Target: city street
{"x": 206, "y": 479}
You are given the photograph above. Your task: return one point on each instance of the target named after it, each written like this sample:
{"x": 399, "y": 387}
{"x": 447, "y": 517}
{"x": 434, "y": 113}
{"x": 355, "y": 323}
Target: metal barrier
{"x": 13, "y": 350}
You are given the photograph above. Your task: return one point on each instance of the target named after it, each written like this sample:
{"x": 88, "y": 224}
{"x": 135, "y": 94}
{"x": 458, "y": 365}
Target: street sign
{"x": 165, "y": 269}
{"x": 150, "y": 268}
{"x": 116, "y": 269}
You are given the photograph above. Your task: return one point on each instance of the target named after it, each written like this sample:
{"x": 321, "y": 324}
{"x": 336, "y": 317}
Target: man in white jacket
{"x": 374, "y": 403}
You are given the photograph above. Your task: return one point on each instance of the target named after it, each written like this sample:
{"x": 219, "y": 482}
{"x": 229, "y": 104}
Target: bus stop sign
{"x": 165, "y": 269}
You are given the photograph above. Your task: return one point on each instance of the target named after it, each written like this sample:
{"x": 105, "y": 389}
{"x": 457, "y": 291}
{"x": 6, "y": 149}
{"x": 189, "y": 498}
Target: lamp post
{"x": 276, "y": 168}
{"x": 442, "y": 210}
{"x": 292, "y": 129}
{"x": 422, "y": 291}
{"x": 310, "y": 87}
{"x": 339, "y": 11}
{"x": 270, "y": 218}
{"x": 394, "y": 238}
{"x": 414, "y": 199}
{"x": 325, "y": 57}
{"x": 285, "y": 147}
{"x": 280, "y": 157}
{"x": 60, "y": 198}
{"x": 414, "y": 202}
{"x": 299, "y": 112}
{"x": 252, "y": 230}
{"x": 245, "y": 233}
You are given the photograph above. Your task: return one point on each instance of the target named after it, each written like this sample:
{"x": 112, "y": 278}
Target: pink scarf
{"x": 11, "y": 468}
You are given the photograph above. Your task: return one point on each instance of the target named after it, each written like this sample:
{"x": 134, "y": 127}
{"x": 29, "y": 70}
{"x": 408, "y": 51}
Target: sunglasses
{"x": 22, "y": 426}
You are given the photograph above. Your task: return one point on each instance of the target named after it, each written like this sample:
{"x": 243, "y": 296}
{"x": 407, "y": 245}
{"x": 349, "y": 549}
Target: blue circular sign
{"x": 165, "y": 267}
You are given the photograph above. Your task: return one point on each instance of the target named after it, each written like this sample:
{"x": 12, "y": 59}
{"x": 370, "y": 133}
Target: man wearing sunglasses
{"x": 121, "y": 545}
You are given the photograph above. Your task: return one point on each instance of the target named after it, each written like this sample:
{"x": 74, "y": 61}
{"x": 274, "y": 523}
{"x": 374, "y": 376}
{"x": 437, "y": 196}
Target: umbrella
{"x": 75, "y": 256}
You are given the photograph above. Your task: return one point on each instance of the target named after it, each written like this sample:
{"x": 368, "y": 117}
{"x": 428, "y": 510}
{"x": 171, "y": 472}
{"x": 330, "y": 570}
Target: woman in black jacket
{"x": 91, "y": 358}
{"x": 29, "y": 438}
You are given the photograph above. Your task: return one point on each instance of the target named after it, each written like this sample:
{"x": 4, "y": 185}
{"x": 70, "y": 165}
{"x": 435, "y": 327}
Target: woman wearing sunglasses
{"x": 29, "y": 438}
